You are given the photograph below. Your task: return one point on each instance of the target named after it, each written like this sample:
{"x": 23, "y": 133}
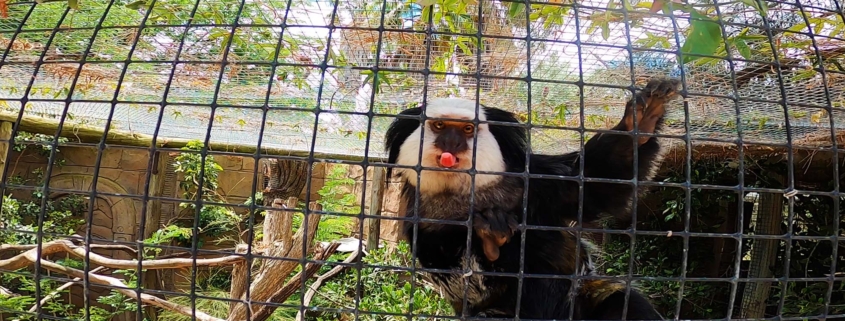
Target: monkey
{"x": 461, "y": 162}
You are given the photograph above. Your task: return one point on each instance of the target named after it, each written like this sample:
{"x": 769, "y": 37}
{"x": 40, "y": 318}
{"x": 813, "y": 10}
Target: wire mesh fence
{"x": 232, "y": 160}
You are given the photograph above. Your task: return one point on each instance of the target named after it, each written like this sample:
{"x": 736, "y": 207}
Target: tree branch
{"x": 295, "y": 283}
{"x": 58, "y": 246}
{"x": 274, "y": 272}
{"x": 322, "y": 278}
{"x": 27, "y": 247}
{"x": 119, "y": 286}
{"x": 60, "y": 289}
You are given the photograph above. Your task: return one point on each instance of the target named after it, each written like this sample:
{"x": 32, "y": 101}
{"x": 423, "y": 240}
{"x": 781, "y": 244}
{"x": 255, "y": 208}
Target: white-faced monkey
{"x": 447, "y": 143}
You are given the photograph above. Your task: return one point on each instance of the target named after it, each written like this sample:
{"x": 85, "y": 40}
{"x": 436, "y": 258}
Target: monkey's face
{"x": 448, "y": 144}
{"x": 451, "y": 143}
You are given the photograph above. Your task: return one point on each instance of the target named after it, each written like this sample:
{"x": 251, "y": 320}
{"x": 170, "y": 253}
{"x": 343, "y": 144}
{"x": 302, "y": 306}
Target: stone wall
{"x": 237, "y": 177}
{"x": 121, "y": 185}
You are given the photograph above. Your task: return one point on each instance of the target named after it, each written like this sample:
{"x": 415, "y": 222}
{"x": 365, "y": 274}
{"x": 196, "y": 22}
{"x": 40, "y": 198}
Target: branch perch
{"x": 312, "y": 290}
{"x": 118, "y": 285}
{"x": 78, "y": 251}
{"x": 294, "y": 284}
{"x": 274, "y": 272}
{"x": 60, "y": 289}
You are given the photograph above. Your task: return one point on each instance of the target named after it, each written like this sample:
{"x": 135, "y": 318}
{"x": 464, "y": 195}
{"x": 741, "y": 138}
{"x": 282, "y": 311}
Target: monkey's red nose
{"x": 448, "y": 160}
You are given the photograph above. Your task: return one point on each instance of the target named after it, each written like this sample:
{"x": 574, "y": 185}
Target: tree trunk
{"x": 285, "y": 178}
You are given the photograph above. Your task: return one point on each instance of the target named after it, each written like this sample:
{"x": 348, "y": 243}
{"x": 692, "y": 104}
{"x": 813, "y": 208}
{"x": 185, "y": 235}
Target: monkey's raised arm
{"x": 609, "y": 156}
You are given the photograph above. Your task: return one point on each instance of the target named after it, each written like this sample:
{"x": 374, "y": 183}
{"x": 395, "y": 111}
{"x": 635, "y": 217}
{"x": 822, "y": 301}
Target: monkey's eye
{"x": 469, "y": 129}
{"x": 438, "y": 125}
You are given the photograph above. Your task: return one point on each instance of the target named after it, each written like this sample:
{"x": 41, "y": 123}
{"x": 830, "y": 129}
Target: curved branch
{"x": 78, "y": 251}
{"x": 58, "y": 290}
{"x": 119, "y": 286}
{"x": 312, "y": 289}
{"x": 26, "y": 247}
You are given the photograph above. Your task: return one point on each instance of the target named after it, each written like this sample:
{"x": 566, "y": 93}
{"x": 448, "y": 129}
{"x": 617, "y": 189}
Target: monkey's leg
{"x": 611, "y": 305}
{"x": 494, "y": 226}
{"x": 611, "y": 155}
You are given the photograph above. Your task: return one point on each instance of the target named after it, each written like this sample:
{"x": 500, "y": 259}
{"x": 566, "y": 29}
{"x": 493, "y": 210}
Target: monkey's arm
{"x": 606, "y": 155}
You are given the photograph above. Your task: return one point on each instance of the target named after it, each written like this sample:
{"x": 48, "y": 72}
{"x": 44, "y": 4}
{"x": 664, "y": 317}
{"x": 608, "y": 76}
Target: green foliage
{"x": 811, "y": 259}
{"x": 213, "y": 220}
{"x": 61, "y": 217}
{"x": 704, "y": 37}
{"x": 661, "y": 256}
{"x": 334, "y": 196}
{"x": 382, "y": 289}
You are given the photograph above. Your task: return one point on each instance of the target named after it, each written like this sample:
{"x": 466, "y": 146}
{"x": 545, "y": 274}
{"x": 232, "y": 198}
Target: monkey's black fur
{"x": 551, "y": 202}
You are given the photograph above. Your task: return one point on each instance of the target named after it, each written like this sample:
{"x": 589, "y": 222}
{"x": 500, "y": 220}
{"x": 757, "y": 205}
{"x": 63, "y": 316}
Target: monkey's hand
{"x": 650, "y": 104}
{"x": 494, "y": 226}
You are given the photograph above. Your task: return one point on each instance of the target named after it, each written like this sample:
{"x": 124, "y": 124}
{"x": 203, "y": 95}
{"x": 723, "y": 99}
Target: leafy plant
{"x": 382, "y": 289}
{"x": 60, "y": 217}
{"x": 213, "y": 220}
{"x": 333, "y": 195}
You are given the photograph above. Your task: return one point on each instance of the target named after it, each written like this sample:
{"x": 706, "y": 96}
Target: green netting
{"x": 589, "y": 43}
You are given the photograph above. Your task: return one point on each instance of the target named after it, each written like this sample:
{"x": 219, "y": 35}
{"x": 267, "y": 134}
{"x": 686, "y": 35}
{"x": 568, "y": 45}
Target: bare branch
{"x": 274, "y": 272}
{"x": 7, "y": 292}
{"x": 31, "y": 257}
{"x": 60, "y": 289}
{"x": 295, "y": 283}
{"x": 322, "y": 278}
{"x": 240, "y": 281}
{"x": 27, "y": 247}
{"x": 53, "y": 247}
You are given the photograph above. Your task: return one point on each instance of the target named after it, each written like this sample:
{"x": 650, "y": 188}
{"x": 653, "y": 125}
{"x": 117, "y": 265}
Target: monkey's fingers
{"x": 650, "y": 106}
{"x": 491, "y": 243}
{"x": 495, "y": 220}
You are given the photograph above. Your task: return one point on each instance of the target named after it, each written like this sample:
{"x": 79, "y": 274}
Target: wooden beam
{"x": 376, "y": 200}
{"x": 763, "y": 255}
{"x": 5, "y": 137}
{"x": 92, "y": 134}
{"x": 156, "y": 190}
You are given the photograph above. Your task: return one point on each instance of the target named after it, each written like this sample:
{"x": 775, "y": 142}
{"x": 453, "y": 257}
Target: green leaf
{"x": 464, "y": 47}
{"x": 704, "y": 37}
{"x": 137, "y": 4}
{"x": 605, "y": 30}
{"x": 515, "y": 8}
{"x": 73, "y": 4}
{"x": 743, "y": 48}
{"x": 761, "y": 6}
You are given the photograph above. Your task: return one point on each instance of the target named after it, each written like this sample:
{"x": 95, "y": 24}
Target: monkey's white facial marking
{"x": 488, "y": 156}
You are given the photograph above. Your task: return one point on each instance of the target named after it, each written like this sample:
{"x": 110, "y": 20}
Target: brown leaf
{"x": 4, "y": 9}
{"x": 656, "y": 6}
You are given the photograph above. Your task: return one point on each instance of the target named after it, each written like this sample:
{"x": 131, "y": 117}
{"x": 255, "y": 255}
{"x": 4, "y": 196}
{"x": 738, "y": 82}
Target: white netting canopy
{"x": 158, "y": 70}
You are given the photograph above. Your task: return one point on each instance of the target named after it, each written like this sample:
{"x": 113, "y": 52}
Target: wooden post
{"x": 153, "y": 219}
{"x": 5, "y": 136}
{"x": 239, "y": 279}
{"x": 376, "y": 198}
{"x": 156, "y": 190}
{"x": 278, "y": 224}
{"x": 763, "y": 255}
{"x": 719, "y": 242}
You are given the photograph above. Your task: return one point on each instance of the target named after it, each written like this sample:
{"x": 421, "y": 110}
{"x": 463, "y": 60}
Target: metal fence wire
{"x": 225, "y": 160}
